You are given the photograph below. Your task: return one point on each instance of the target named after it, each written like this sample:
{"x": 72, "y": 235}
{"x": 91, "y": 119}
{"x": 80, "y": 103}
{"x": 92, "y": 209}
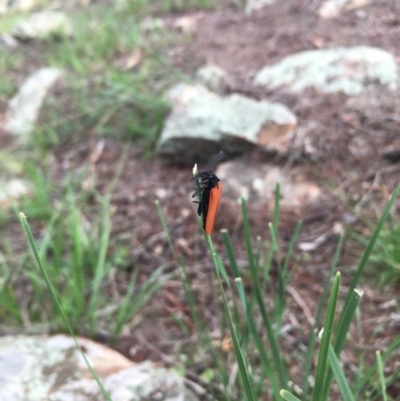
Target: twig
{"x": 297, "y": 297}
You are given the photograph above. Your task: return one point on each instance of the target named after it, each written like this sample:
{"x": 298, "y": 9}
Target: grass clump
{"x": 74, "y": 253}
{"x": 114, "y": 78}
{"x": 256, "y": 327}
{"x": 385, "y": 258}
{"x": 100, "y": 36}
{"x": 101, "y": 95}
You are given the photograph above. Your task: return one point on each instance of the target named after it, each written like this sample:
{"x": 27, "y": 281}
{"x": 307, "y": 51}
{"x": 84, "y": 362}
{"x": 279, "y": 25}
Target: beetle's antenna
{"x": 217, "y": 160}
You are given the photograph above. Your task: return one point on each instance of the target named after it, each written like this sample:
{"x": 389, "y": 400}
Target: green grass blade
{"x": 339, "y": 375}
{"x": 381, "y": 375}
{"x": 220, "y": 265}
{"x": 265, "y": 360}
{"x": 164, "y": 225}
{"x": 222, "y": 271}
{"x": 244, "y": 374}
{"x": 258, "y": 252}
{"x": 78, "y": 282}
{"x": 341, "y": 334}
{"x": 234, "y": 267}
{"x": 275, "y": 220}
{"x": 290, "y": 250}
{"x": 8, "y": 305}
{"x": 272, "y": 231}
{"x": 279, "y": 365}
{"x": 247, "y": 236}
{"x": 200, "y": 324}
{"x": 347, "y": 314}
{"x": 288, "y": 396}
{"x": 276, "y": 354}
{"x": 281, "y": 280}
{"x": 325, "y": 341}
{"x": 266, "y": 279}
{"x": 342, "y": 330}
{"x": 241, "y": 292}
{"x": 50, "y": 288}
{"x": 372, "y": 241}
{"x": 251, "y": 324}
{"x": 231, "y": 254}
{"x": 100, "y": 269}
{"x": 123, "y": 309}
{"x": 394, "y": 345}
{"x": 147, "y": 290}
{"x": 321, "y": 304}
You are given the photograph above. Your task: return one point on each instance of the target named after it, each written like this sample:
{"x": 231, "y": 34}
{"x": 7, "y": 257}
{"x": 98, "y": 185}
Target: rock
{"x": 8, "y": 41}
{"x": 32, "y": 367}
{"x": 23, "y": 108}
{"x": 350, "y": 70}
{"x": 202, "y": 123}
{"x": 255, "y": 5}
{"x": 211, "y": 76}
{"x": 35, "y": 368}
{"x": 188, "y": 23}
{"x": 43, "y": 25}
{"x": 150, "y": 24}
{"x": 333, "y": 8}
{"x": 257, "y": 183}
{"x": 11, "y": 190}
{"x": 144, "y": 382}
{"x": 7, "y": 6}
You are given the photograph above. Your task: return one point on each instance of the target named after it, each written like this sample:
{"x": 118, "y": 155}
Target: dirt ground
{"x": 242, "y": 45}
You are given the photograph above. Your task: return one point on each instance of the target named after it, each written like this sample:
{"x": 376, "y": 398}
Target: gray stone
{"x": 202, "y": 122}
{"x": 188, "y": 23}
{"x": 43, "y": 25}
{"x": 255, "y": 5}
{"x": 51, "y": 368}
{"x": 8, "y": 41}
{"x": 11, "y": 191}
{"x": 139, "y": 383}
{"x": 257, "y": 183}
{"x": 211, "y": 76}
{"x": 333, "y": 8}
{"x": 349, "y": 70}
{"x": 150, "y": 24}
{"x": 23, "y": 108}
